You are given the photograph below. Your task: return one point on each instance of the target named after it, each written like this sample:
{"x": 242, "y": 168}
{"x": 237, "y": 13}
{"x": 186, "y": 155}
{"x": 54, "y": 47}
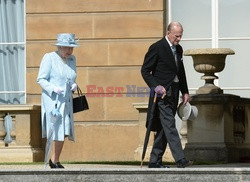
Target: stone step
{"x": 108, "y": 173}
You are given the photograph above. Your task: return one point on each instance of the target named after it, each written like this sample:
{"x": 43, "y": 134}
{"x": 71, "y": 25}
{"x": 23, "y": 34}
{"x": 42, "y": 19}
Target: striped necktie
{"x": 175, "y": 57}
{"x": 174, "y": 53}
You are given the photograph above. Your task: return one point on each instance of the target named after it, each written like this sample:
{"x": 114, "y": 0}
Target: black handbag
{"x": 80, "y": 102}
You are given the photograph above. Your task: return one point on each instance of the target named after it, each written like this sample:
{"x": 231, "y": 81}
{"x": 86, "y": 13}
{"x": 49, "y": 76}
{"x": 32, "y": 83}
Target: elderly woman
{"x": 57, "y": 75}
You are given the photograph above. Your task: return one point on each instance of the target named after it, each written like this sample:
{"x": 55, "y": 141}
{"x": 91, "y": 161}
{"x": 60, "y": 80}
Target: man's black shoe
{"x": 156, "y": 165}
{"x": 184, "y": 163}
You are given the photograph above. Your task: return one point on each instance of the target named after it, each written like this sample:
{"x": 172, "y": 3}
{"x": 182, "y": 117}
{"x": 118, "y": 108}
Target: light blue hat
{"x": 66, "y": 40}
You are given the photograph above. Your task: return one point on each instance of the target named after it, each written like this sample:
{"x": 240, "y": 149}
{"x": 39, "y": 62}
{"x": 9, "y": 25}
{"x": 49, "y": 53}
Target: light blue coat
{"x": 53, "y": 73}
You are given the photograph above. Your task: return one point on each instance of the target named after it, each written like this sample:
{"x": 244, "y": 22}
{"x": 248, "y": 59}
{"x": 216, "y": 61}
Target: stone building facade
{"x": 114, "y": 36}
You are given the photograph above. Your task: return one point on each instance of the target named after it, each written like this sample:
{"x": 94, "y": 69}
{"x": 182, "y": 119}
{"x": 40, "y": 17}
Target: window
{"x": 12, "y": 52}
{"x": 212, "y": 23}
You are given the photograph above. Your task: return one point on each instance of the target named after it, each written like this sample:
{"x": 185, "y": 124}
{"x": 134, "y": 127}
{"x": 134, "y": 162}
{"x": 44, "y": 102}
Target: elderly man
{"x": 164, "y": 73}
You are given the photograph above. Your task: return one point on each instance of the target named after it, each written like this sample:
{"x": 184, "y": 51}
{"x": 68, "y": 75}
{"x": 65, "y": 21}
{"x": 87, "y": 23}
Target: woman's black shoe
{"x": 59, "y": 165}
{"x": 56, "y": 165}
{"x": 51, "y": 164}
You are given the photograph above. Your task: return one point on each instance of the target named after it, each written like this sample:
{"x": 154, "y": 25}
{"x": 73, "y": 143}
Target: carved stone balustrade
{"x": 27, "y": 144}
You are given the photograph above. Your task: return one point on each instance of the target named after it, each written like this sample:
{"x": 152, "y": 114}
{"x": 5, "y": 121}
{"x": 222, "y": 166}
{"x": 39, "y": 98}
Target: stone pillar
{"x": 27, "y": 144}
{"x": 183, "y": 133}
{"x": 218, "y": 133}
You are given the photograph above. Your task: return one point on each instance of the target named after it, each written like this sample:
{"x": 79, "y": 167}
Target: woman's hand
{"x": 73, "y": 87}
{"x": 58, "y": 90}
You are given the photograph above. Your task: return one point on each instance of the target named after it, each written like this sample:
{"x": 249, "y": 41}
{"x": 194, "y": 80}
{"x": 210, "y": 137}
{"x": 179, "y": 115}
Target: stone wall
{"x": 114, "y": 36}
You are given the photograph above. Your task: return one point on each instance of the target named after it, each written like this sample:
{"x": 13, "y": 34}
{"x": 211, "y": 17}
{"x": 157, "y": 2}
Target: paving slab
{"x": 125, "y": 173}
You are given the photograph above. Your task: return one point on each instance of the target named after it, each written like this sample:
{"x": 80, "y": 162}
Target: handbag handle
{"x": 79, "y": 92}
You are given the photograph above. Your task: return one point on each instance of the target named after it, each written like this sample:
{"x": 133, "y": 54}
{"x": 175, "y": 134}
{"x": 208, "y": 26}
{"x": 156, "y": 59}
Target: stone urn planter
{"x": 209, "y": 61}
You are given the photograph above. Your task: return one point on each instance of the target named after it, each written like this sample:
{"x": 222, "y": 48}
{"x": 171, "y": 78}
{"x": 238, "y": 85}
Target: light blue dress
{"x": 53, "y": 73}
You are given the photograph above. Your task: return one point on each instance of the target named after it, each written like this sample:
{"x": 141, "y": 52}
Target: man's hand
{"x": 160, "y": 90}
{"x": 185, "y": 98}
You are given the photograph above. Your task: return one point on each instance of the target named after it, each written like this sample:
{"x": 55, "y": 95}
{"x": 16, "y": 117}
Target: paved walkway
{"x": 108, "y": 166}
{"x": 238, "y": 172}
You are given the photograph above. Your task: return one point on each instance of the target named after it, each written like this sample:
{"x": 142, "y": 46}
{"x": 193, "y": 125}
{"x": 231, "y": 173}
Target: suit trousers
{"x": 168, "y": 133}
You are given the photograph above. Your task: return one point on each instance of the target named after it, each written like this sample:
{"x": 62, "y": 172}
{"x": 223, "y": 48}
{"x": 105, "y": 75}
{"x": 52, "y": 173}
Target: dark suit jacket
{"x": 159, "y": 68}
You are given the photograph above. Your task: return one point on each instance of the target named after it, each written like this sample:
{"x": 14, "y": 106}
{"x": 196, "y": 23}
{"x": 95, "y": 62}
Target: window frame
{"x": 215, "y": 38}
{"x": 24, "y": 58}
